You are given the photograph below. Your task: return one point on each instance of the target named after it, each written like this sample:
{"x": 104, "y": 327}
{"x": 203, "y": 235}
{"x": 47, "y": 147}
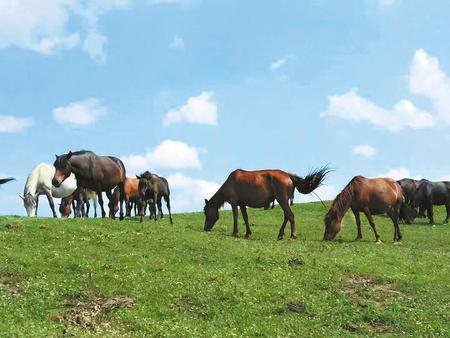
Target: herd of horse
{"x": 80, "y": 177}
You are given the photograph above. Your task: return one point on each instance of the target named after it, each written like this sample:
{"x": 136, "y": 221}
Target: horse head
{"x": 30, "y": 204}
{"x": 62, "y": 168}
{"x": 211, "y": 215}
{"x": 333, "y": 225}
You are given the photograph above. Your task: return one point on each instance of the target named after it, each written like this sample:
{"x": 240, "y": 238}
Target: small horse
{"x": 432, "y": 193}
{"x": 39, "y": 182}
{"x": 373, "y": 196}
{"x": 96, "y": 173}
{"x": 257, "y": 189}
{"x": 131, "y": 196}
{"x": 151, "y": 189}
{"x": 79, "y": 201}
{"x": 6, "y": 180}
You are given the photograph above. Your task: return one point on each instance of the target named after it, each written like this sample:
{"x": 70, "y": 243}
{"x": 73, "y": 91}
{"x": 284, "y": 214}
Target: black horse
{"x": 151, "y": 189}
{"x": 432, "y": 193}
{"x": 409, "y": 187}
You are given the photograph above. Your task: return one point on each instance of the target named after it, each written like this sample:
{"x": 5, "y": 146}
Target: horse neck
{"x": 218, "y": 200}
{"x": 343, "y": 201}
{"x": 32, "y": 182}
{"x": 79, "y": 168}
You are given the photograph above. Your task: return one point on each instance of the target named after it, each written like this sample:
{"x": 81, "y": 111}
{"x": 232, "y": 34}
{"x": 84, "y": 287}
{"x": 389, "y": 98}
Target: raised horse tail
{"x": 311, "y": 182}
{"x": 6, "y": 180}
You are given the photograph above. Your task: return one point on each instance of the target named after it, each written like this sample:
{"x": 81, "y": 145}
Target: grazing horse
{"x": 6, "y": 180}
{"x": 151, "y": 189}
{"x": 96, "y": 173}
{"x": 372, "y": 196}
{"x": 131, "y": 196}
{"x": 79, "y": 201}
{"x": 39, "y": 182}
{"x": 432, "y": 193}
{"x": 257, "y": 189}
{"x": 409, "y": 187}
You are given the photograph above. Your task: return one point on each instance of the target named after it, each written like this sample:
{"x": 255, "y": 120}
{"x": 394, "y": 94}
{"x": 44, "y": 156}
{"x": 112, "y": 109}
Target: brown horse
{"x": 131, "y": 196}
{"x": 79, "y": 201}
{"x": 97, "y": 173}
{"x": 372, "y": 197}
{"x": 257, "y": 189}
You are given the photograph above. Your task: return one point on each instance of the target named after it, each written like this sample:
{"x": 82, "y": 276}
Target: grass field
{"x": 109, "y": 278}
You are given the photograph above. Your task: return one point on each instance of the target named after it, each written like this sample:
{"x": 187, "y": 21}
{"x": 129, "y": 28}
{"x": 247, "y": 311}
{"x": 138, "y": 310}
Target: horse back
{"x": 378, "y": 192}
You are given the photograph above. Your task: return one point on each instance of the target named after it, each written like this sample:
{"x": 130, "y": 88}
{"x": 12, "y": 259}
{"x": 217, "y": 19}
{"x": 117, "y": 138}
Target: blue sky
{"x": 193, "y": 89}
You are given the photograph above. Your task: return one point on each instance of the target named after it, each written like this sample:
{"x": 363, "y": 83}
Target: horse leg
{"x": 394, "y": 215}
{"x": 235, "y": 220}
{"x": 121, "y": 198}
{"x": 157, "y": 203}
{"x": 100, "y": 201}
{"x": 372, "y": 224}
{"x": 167, "y": 199}
{"x": 430, "y": 212}
{"x": 50, "y": 201}
{"x": 290, "y": 216}
{"x": 37, "y": 204}
{"x": 447, "y": 209}
{"x": 273, "y": 204}
{"x": 88, "y": 207}
{"x": 245, "y": 216}
{"x": 109, "y": 194}
{"x": 283, "y": 226}
{"x": 358, "y": 224}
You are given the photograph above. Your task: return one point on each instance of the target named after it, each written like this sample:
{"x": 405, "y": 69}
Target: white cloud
{"x": 427, "y": 79}
{"x": 277, "y": 64}
{"x": 404, "y": 114}
{"x": 13, "y": 124}
{"x": 198, "y": 109}
{"x": 364, "y": 150}
{"x": 399, "y": 173}
{"x": 325, "y": 192}
{"x": 42, "y": 26}
{"x": 188, "y": 194}
{"x": 177, "y": 42}
{"x": 81, "y": 113}
{"x": 169, "y": 154}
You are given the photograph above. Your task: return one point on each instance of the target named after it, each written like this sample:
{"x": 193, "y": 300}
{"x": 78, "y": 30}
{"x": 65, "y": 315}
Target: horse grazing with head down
{"x": 257, "y": 189}
{"x": 152, "y": 188}
{"x": 372, "y": 196}
{"x": 96, "y": 173}
{"x": 131, "y": 196}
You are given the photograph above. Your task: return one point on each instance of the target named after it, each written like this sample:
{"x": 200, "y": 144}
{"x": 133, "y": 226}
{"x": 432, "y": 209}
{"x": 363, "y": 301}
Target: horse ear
{"x": 23, "y": 198}
{"x": 138, "y": 177}
{"x": 206, "y": 201}
{"x": 69, "y": 155}
{"x": 56, "y": 156}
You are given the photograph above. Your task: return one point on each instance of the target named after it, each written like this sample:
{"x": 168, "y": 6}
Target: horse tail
{"x": 311, "y": 182}
{"x": 6, "y": 180}
{"x": 407, "y": 214}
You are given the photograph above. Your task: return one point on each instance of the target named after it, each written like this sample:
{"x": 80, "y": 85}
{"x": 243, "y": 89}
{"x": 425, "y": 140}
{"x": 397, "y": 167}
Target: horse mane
{"x": 217, "y": 200}
{"x": 343, "y": 200}
{"x": 82, "y": 152}
{"x": 147, "y": 175}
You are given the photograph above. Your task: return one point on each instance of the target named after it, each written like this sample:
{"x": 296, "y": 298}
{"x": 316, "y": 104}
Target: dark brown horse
{"x": 152, "y": 188}
{"x": 6, "y": 180}
{"x": 257, "y": 189}
{"x": 79, "y": 201}
{"x": 97, "y": 173}
{"x": 131, "y": 196}
{"x": 372, "y": 197}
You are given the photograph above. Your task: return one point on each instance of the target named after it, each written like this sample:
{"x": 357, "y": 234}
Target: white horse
{"x": 39, "y": 182}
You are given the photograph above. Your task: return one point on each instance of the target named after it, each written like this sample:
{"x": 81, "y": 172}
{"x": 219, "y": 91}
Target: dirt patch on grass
{"x": 295, "y": 262}
{"x": 379, "y": 293}
{"x": 10, "y": 282}
{"x": 293, "y": 307}
{"x": 89, "y": 314}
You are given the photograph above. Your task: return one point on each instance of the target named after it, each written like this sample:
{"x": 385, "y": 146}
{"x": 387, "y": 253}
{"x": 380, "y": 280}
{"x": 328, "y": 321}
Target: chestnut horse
{"x": 131, "y": 196}
{"x": 97, "y": 173}
{"x": 372, "y": 196}
{"x": 257, "y": 189}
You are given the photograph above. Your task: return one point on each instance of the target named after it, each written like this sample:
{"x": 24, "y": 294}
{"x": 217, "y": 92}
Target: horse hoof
{"x": 280, "y": 238}
{"x": 294, "y": 236}
{"x": 358, "y": 239}
{"x": 247, "y": 236}
{"x": 379, "y": 242}
{"x": 397, "y": 243}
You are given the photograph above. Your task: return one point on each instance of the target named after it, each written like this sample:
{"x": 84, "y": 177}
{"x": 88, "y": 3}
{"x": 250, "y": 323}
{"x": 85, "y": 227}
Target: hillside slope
{"x": 65, "y": 276}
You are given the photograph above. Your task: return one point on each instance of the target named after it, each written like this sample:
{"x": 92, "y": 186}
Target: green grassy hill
{"x": 109, "y": 278}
